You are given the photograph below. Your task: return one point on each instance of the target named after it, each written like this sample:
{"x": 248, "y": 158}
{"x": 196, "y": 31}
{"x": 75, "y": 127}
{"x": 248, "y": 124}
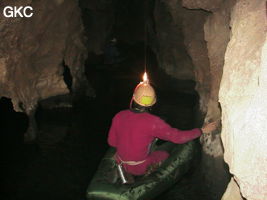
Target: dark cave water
{"x": 72, "y": 140}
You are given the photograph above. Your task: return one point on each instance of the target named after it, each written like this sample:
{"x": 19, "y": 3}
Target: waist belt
{"x": 130, "y": 162}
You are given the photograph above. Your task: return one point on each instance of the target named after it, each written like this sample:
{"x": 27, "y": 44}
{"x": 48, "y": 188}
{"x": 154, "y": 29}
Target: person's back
{"x": 133, "y": 134}
{"x": 133, "y": 131}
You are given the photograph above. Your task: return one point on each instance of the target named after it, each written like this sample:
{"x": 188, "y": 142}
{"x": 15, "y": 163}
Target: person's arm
{"x": 112, "y": 134}
{"x": 164, "y": 131}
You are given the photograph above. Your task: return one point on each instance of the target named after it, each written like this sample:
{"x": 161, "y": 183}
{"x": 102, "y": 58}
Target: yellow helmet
{"x": 144, "y": 94}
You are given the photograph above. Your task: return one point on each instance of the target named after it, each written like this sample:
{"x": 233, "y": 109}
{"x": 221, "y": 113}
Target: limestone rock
{"x": 232, "y": 192}
{"x": 206, "y": 39}
{"x": 217, "y": 35}
{"x": 193, "y": 22}
{"x": 169, "y": 47}
{"x": 243, "y": 97}
{"x": 32, "y": 51}
{"x": 209, "y": 5}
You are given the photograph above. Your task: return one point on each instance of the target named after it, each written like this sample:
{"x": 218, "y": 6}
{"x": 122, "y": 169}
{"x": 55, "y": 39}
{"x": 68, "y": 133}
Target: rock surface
{"x": 232, "y": 192}
{"x": 169, "y": 47}
{"x": 242, "y": 89}
{"x": 206, "y": 38}
{"x": 33, "y": 50}
{"x": 193, "y": 22}
{"x": 217, "y": 36}
{"x": 243, "y": 97}
{"x": 209, "y": 5}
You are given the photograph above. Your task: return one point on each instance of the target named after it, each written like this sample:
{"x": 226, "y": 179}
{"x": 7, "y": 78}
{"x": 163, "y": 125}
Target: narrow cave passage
{"x": 72, "y": 130}
{"x": 72, "y": 140}
{"x": 72, "y": 135}
{"x": 70, "y": 67}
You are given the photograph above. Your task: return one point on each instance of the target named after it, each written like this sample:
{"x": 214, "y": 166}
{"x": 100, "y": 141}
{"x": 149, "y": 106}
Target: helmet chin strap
{"x": 136, "y": 109}
{"x": 131, "y": 104}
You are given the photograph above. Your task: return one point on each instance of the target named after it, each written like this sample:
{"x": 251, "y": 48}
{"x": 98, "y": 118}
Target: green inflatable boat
{"x": 145, "y": 187}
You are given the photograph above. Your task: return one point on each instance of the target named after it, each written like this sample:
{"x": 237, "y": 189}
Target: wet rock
{"x": 168, "y": 40}
{"x": 57, "y": 102}
{"x": 32, "y": 52}
{"x": 212, "y": 168}
{"x": 209, "y": 5}
{"x": 242, "y": 90}
{"x": 243, "y": 99}
{"x": 217, "y": 35}
{"x": 232, "y": 192}
{"x": 187, "y": 27}
{"x": 193, "y": 22}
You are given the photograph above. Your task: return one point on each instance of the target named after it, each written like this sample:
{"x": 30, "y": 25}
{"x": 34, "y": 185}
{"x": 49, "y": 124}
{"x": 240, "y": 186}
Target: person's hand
{"x": 208, "y": 128}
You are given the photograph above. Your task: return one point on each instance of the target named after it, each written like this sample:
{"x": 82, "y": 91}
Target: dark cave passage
{"x": 72, "y": 131}
{"x": 70, "y": 67}
{"x": 72, "y": 140}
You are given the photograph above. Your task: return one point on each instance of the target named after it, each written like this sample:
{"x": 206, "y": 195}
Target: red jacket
{"x": 132, "y": 133}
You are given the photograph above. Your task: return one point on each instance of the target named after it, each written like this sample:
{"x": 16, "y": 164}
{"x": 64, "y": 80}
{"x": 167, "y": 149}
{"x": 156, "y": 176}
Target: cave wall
{"x": 243, "y": 99}
{"x": 232, "y": 192}
{"x": 166, "y": 40}
{"x": 195, "y": 45}
{"x": 99, "y": 19}
{"x": 243, "y": 23}
{"x": 207, "y": 37}
{"x": 32, "y": 52}
{"x": 200, "y": 36}
{"x": 224, "y": 40}
{"x": 209, "y": 5}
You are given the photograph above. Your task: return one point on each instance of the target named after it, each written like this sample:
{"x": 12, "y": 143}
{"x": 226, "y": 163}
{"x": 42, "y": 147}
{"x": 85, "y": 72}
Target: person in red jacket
{"x": 133, "y": 131}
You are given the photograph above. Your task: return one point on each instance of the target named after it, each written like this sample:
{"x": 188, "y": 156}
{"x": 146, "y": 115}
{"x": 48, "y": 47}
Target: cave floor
{"x": 72, "y": 140}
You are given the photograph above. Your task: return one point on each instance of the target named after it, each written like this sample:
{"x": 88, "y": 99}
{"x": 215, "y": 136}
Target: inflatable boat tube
{"x": 102, "y": 187}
